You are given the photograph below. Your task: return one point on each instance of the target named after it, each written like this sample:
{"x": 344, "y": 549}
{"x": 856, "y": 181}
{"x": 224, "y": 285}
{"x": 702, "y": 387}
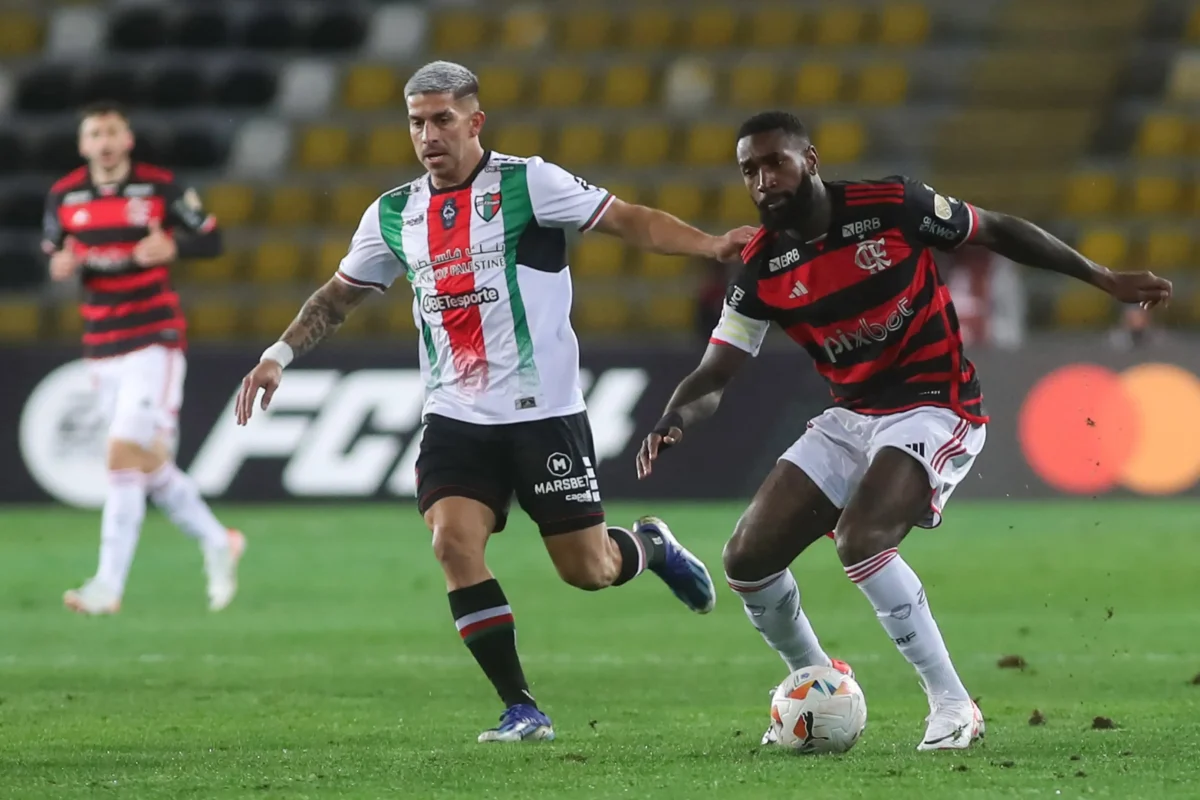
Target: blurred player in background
{"x": 481, "y": 239}
{"x": 118, "y": 225}
{"x": 846, "y": 270}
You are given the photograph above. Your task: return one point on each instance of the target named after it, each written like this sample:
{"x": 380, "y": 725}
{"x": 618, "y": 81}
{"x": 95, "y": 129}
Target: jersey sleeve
{"x": 370, "y": 263}
{"x": 563, "y": 200}
{"x": 53, "y": 234}
{"x": 745, "y": 320}
{"x": 938, "y": 220}
{"x": 185, "y": 210}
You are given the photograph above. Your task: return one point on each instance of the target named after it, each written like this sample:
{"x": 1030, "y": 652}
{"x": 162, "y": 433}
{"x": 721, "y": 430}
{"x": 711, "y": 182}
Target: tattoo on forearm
{"x": 321, "y": 315}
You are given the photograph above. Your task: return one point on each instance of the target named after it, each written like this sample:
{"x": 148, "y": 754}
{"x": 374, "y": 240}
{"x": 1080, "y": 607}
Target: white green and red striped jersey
{"x": 492, "y": 290}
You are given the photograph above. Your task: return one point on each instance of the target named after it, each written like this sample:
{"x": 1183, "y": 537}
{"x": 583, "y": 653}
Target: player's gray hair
{"x": 441, "y": 77}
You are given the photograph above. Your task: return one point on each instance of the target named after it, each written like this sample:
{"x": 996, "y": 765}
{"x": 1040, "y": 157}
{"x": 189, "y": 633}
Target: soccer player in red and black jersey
{"x": 846, "y": 270}
{"x": 118, "y": 225}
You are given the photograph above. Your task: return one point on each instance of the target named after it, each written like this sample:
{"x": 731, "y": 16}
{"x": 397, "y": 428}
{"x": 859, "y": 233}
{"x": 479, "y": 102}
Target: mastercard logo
{"x": 1086, "y": 429}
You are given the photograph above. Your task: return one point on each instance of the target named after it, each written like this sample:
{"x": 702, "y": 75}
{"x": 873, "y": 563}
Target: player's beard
{"x": 792, "y": 212}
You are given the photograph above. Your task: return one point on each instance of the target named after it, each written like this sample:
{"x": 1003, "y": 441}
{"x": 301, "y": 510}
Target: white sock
{"x": 773, "y": 606}
{"x": 177, "y": 495}
{"x": 120, "y": 525}
{"x": 899, "y": 600}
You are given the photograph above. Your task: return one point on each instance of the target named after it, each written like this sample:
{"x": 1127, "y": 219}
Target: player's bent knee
{"x": 589, "y": 577}
{"x": 456, "y": 544}
{"x": 742, "y": 559}
{"x": 857, "y": 543}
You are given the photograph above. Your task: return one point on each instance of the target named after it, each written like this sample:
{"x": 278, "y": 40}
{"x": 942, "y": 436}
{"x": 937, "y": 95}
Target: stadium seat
{"x": 59, "y": 150}
{"x": 231, "y": 203}
{"x": 650, "y": 28}
{"x": 818, "y": 83}
{"x": 840, "y": 141}
{"x": 734, "y": 206}
{"x": 1090, "y": 194}
{"x": 598, "y": 257}
{"x": 459, "y": 32}
{"x": 645, "y": 145}
{"x": 1183, "y": 85}
{"x": 1078, "y": 306}
{"x": 330, "y": 254}
{"x": 20, "y": 320}
{"x": 753, "y": 86}
{"x": 324, "y": 147}
{"x": 389, "y": 146}
{"x": 1193, "y": 27}
{"x": 500, "y": 86}
{"x": 177, "y": 87}
{"x": 222, "y": 270}
{"x": 348, "y": 202}
{"x": 684, "y": 200}
{"x": 585, "y": 30}
{"x": 777, "y": 25}
{"x": 580, "y": 145}
{"x": 269, "y": 28}
{"x": 22, "y": 208}
{"x": 519, "y": 140}
{"x": 839, "y": 25}
{"x": 270, "y": 318}
{"x": 20, "y": 34}
{"x": 1162, "y": 135}
{"x": 623, "y": 191}
{"x": 524, "y": 28}
{"x": 137, "y": 29}
{"x": 599, "y": 312}
{"x": 46, "y": 89}
{"x": 290, "y": 206}
{"x": 883, "y": 84}
{"x": 1167, "y": 249}
{"x": 397, "y": 318}
{"x": 369, "y": 87}
{"x": 710, "y": 144}
{"x": 245, "y": 86}
{"x": 657, "y": 266}
{"x": 66, "y": 321}
{"x": 201, "y": 29}
{"x": 903, "y": 24}
{"x": 711, "y": 28}
{"x": 12, "y": 153}
{"x": 1192, "y": 205}
{"x": 561, "y": 86}
{"x": 192, "y": 148}
{"x": 334, "y": 28}
{"x": 114, "y": 83}
{"x": 277, "y": 261}
{"x": 626, "y": 86}
{"x": 213, "y": 319}
{"x": 1105, "y": 246}
{"x": 1157, "y": 194}
{"x": 670, "y": 310}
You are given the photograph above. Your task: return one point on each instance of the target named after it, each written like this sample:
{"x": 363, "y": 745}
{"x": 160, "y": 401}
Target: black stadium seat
{"x": 194, "y": 149}
{"x": 57, "y": 151}
{"x": 270, "y": 30}
{"x": 336, "y": 29}
{"x": 46, "y": 89}
{"x": 12, "y": 153}
{"x": 202, "y": 29}
{"x": 22, "y": 209}
{"x": 108, "y": 83}
{"x": 23, "y": 268}
{"x": 148, "y": 147}
{"x": 176, "y": 87}
{"x": 137, "y": 29}
{"x": 245, "y": 86}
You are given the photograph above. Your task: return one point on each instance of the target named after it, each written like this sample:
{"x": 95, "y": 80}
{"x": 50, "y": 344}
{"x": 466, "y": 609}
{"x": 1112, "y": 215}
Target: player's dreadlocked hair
{"x": 767, "y": 121}
{"x": 441, "y": 77}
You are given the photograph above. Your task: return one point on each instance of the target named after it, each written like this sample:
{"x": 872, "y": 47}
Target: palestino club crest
{"x": 487, "y": 204}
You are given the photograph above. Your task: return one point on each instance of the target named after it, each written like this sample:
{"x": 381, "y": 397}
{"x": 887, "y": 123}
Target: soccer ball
{"x": 818, "y": 710}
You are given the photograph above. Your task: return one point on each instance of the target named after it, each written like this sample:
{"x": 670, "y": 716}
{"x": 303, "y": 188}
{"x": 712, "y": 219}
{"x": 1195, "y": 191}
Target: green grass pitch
{"x": 338, "y": 673}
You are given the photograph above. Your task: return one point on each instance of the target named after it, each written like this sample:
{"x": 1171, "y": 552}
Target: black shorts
{"x": 550, "y": 464}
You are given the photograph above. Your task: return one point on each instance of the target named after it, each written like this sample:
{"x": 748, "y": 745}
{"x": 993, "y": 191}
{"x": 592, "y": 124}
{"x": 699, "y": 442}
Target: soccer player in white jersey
{"x": 481, "y": 239}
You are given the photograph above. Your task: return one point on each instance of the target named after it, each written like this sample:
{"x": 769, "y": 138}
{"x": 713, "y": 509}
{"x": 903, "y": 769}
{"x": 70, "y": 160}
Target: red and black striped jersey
{"x": 865, "y": 300}
{"x": 126, "y": 306}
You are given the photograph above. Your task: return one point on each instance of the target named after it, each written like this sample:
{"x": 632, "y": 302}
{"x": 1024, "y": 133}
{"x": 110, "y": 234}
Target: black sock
{"x": 640, "y": 551}
{"x": 485, "y": 622}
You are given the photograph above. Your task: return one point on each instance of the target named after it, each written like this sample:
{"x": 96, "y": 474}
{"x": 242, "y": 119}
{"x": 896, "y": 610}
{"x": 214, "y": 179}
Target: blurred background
{"x": 1082, "y": 115}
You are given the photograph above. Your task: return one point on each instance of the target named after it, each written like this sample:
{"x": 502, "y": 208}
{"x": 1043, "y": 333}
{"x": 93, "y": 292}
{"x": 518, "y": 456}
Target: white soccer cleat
{"x": 221, "y": 563}
{"x": 94, "y": 597}
{"x": 953, "y": 725}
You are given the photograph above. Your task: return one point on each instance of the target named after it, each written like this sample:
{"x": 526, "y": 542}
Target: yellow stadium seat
{"x": 584, "y": 31}
{"x": 1192, "y": 206}
{"x": 597, "y": 312}
{"x": 623, "y": 191}
{"x": 231, "y": 203}
{"x": 684, "y": 200}
{"x": 776, "y": 26}
{"x": 650, "y": 28}
{"x": 753, "y": 86}
{"x": 882, "y": 84}
{"x": 818, "y": 83}
{"x": 20, "y": 33}
{"x": 500, "y": 86}
{"x": 1193, "y": 28}
{"x": 734, "y": 206}
{"x": 348, "y": 202}
{"x": 839, "y": 25}
{"x": 1184, "y": 83}
{"x": 1167, "y": 249}
{"x": 710, "y": 144}
{"x": 370, "y": 86}
{"x": 389, "y": 147}
{"x": 220, "y": 270}
{"x": 840, "y": 141}
{"x": 1157, "y": 194}
{"x": 671, "y": 311}
{"x": 398, "y": 318}
{"x": 598, "y": 257}
{"x": 272, "y": 317}
{"x": 561, "y": 86}
{"x": 459, "y": 32}
{"x": 712, "y": 27}
{"x": 645, "y": 145}
{"x": 19, "y": 321}
{"x": 1162, "y": 135}
{"x": 324, "y": 147}
{"x": 330, "y": 254}
{"x": 1091, "y": 194}
{"x": 291, "y": 206}
{"x": 1078, "y": 306}
{"x": 524, "y": 28}
{"x": 659, "y": 266}
{"x": 276, "y": 261}
{"x": 519, "y": 140}
{"x": 214, "y": 319}
{"x": 67, "y": 322}
{"x": 581, "y": 145}
{"x": 903, "y": 24}
{"x": 626, "y": 86}
{"x": 1105, "y": 246}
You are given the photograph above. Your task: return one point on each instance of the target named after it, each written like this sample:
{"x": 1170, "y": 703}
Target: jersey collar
{"x": 487, "y": 156}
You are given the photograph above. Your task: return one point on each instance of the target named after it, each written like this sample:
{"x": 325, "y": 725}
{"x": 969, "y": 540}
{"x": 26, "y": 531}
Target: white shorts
{"x": 839, "y": 445}
{"x": 140, "y": 393}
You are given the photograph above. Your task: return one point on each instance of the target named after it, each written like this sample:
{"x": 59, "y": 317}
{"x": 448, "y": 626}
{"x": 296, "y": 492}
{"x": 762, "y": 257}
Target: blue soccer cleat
{"x": 523, "y": 723}
{"x": 683, "y": 573}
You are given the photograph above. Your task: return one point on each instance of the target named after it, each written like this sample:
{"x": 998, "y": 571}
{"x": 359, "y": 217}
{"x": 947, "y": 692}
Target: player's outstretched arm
{"x": 697, "y": 397}
{"x": 659, "y": 232}
{"x": 1025, "y": 243}
{"x": 321, "y": 315}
